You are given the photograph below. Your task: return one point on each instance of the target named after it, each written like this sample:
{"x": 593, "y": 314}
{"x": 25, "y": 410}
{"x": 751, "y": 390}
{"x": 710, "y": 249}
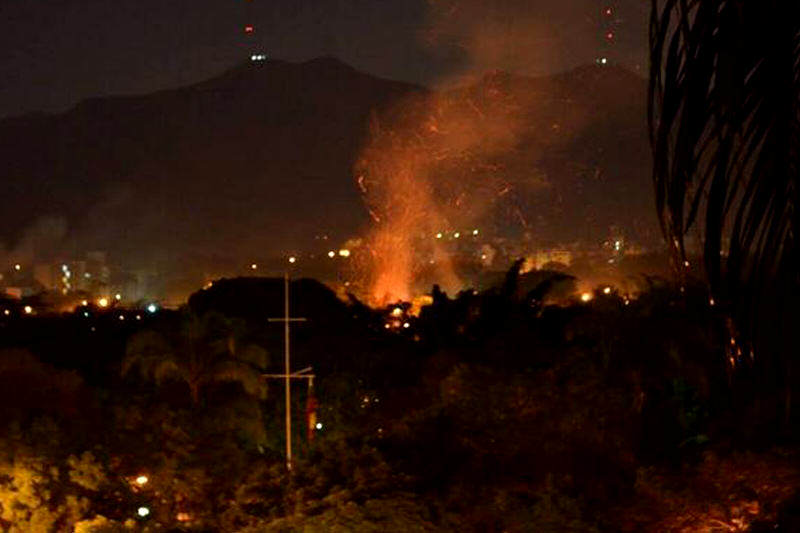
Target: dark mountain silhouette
{"x": 260, "y": 159}
{"x": 258, "y": 156}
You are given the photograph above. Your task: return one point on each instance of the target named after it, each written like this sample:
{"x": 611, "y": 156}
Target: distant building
{"x": 545, "y": 257}
{"x": 18, "y": 293}
{"x": 47, "y": 276}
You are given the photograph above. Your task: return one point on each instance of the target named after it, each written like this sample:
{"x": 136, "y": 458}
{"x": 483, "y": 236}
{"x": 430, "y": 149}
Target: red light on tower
{"x": 610, "y": 36}
{"x": 249, "y": 29}
{"x": 608, "y": 11}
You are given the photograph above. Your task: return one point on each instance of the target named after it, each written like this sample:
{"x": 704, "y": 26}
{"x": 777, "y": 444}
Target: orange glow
{"x": 429, "y": 178}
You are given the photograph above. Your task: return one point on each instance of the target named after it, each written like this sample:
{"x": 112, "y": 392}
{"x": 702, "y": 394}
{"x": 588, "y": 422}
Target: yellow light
{"x": 397, "y": 311}
{"x": 142, "y": 480}
{"x": 293, "y": 259}
{"x": 6, "y": 312}
{"x": 586, "y": 296}
{"x": 438, "y": 235}
{"x": 344, "y": 252}
{"x": 118, "y": 296}
{"x": 331, "y": 254}
{"x": 456, "y": 235}
{"x": 28, "y": 309}
{"x": 607, "y": 290}
{"x": 17, "y": 267}
{"x": 474, "y": 232}
{"x": 102, "y": 302}
{"x": 253, "y": 266}
{"x": 84, "y": 302}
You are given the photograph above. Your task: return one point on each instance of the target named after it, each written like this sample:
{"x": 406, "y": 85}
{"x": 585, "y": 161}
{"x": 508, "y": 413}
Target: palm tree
{"x": 725, "y": 128}
{"x": 202, "y": 351}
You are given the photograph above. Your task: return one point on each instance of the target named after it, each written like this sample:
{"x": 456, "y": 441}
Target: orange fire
{"x": 432, "y": 166}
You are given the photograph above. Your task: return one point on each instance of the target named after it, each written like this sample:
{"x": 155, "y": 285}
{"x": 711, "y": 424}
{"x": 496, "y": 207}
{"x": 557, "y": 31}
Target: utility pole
{"x": 287, "y": 374}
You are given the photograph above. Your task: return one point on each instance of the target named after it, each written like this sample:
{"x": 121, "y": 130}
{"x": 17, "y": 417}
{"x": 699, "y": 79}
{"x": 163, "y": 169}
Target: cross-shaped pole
{"x": 287, "y": 375}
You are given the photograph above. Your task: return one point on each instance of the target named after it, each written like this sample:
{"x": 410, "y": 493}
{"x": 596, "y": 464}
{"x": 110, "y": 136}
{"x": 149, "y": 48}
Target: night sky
{"x": 54, "y": 53}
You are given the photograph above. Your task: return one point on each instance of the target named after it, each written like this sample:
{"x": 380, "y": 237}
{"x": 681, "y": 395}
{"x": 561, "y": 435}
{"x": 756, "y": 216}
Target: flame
{"x": 434, "y": 164}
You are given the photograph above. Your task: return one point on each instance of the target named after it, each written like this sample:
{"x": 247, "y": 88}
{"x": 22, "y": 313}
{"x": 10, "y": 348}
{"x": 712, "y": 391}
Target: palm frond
{"x": 255, "y": 356}
{"x": 164, "y": 370}
{"x": 236, "y": 371}
{"x": 724, "y": 118}
{"x": 145, "y": 349}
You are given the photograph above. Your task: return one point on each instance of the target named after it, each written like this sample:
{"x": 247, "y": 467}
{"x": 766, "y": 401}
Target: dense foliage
{"x": 492, "y": 411}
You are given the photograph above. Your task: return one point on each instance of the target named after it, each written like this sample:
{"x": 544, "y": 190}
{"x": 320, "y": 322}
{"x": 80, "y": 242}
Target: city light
{"x": 6, "y": 312}
{"x": 254, "y": 267}
{"x": 152, "y": 308}
{"x": 607, "y": 290}
{"x": 319, "y": 425}
{"x": 438, "y": 235}
{"x": 118, "y": 297}
{"x": 293, "y": 259}
{"x": 102, "y": 302}
{"x": 397, "y": 311}
{"x": 28, "y": 309}
{"x": 344, "y": 252}
{"x": 17, "y": 267}
{"x": 456, "y": 235}
{"x": 406, "y": 325}
{"x": 475, "y": 232}
{"x": 142, "y": 480}
{"x": 84, "y": 302}
{"x": 586, "y": 296}
{"x": 122, "y": 317}
{"x": 143, "y": 511}
{"x": 331, "y": 254}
